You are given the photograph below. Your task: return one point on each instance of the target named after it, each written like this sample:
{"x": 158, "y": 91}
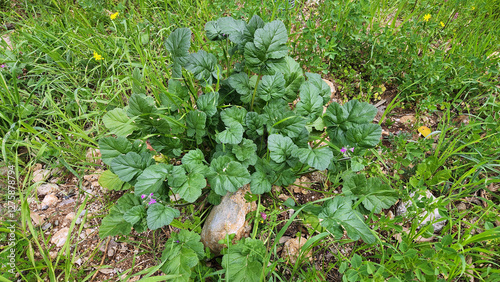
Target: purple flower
{"x": 177, "y": 241}
{"x": 343, "y": 150}
{"x": 352, "y": 149}
{"x": 143, "y": 196}
{"x": 151, "y": 195}
{"x": 153, "y": 201}
{"x": 264, "y": 215}
{"x": 456, "y": 16}
{"x": 2, "y": 66}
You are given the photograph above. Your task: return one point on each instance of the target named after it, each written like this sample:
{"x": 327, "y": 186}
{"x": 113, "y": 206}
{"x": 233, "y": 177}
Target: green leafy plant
{"x": 245, "y": 131}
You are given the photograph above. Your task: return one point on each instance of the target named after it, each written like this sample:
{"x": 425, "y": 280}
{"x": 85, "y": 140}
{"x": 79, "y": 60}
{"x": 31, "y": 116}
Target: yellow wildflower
{"x": 442, "y": 24}
{"x": 473, "y": 8}
{"x": 113, "y": 16}
{"x": 97, "y": 57}
{"x": 427, "y": 17}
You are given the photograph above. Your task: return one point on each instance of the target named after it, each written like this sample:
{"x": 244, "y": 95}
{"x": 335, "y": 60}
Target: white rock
{"x": 60, "y": 237}
{"x": 434, "y": 215}
{"x": 45, "y": 189}
{"x": 50, "y": 200}
{"x": 41, "y": 175}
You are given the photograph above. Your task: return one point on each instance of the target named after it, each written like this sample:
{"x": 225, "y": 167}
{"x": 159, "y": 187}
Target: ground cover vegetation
{"x": 388, "y": 173}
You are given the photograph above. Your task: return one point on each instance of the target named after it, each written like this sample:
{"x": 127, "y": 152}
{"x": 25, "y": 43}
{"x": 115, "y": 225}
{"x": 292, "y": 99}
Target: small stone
{"x": 60, "y": 237}
{"x": 284, "y": 239}
{"x": 107, "y": 270}
{"x": 402, "y": 209}
{"x": 174, "y": 198}
{"x": 40, "y": 175}
{"x": 50, "y": 200}
{"x": 227, "y": 218}
{"x": 461, "y": 206}
{"x": 93, "y": 156}
{"x": 95, "y": 184}
{"x": 46, "y": 226}
{"x": 37, "y": 166}
{"x": 409, "y": 119}
{"x": 300, "y": 184}
{"x": 69, "y": 217}
{"x": 37, "y": 219}
{"x": 78, "y": 261}
{"x": 56, "y": 223}
{"x": 88, "y": 232}
{"x": 292, "y": 248}
{"x": 283, "y": 197}
{"x": 45, "y": 207}
{"x": 45, "y": 189}
{"x": 53, "y": 255}
{"x": 66, "y": 202}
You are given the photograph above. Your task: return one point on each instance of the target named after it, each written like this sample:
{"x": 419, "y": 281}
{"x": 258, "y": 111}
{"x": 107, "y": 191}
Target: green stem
{"x": 255, "y": 91}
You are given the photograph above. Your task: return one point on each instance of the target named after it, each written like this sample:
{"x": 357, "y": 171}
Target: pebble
{"x": 40, "y": 175}
{"x": 292, "y": 247}
{"x": 56, "y": 223}
{"x": 461, "y": 207}
{"x": 69, "y": 217}
{"x": 37, "y": 219}
{"x": 50, "y": 200}
{"x": 46, "y": 226}
{"x": 66, "y": 202}
{"x": 45, "y": 189}
{"x": 60, "y": 236}
{"x": 434, "y": 216}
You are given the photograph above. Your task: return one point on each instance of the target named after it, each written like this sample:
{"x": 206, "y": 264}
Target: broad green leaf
{"x": 246, "y": 152}
{"x": 241, "y": 83}
{"x": 260, "y": 183}
{"x": 178, "y": 43}
{"x": 182, "y": 252}
{"x": 208, "y": 102}
{"x": 317, "y": 158}
{"x": 213, "y": 198}
{"x": 271, "y": 87}
{"x": 360, "y": 112}
{"x": 338, "y": 213}
{"x": 271, "y": 40}
{"x": 111, "y": 147}
{"x": 311, "y": 103}
{"x": 130, "y": 165}
{"x": 195, "y": 121}
{"x": 193, "y": 157}
{"x": 135, "y": 214}
{"x": 233, "y": 28}
{"x": 126, "y": 202}
{"x": 111, "y": 181}
{"x": 160, "y": 215}
{"x": 364, "y": 135}
{"x": 227, "y": 175}
{"x": 324, "y": 90}
{"x": 375, "y": 195}
{"x": 204, "y": 67}
{"x": 140, "y": 104}
{"x": 335, "y": 115}
{"x": 176, "y": 96}
{"x": 245, "y": 260}
{"x": 232, "y": 135}
{"x": 151, "y": 179}
{"x": 191, "y": 189}
{"x": 281, "y": 147}
{"x": 177, "y": 177}
{"x": 169, "y": 146}
{"x": 255, "y": 23}
{"x": 233, "y": 115}
{"x": 255, "y": 125}
{"x": 294, "y": 77}
{"x": 118, "y": 122}
{"x": 114, "y": 224}
{"x": 212, "y": 31}
{"x": 291, "y": 126}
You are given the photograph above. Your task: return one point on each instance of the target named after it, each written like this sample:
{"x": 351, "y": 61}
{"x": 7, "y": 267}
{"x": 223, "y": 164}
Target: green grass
{"x": 53, "y": 95}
